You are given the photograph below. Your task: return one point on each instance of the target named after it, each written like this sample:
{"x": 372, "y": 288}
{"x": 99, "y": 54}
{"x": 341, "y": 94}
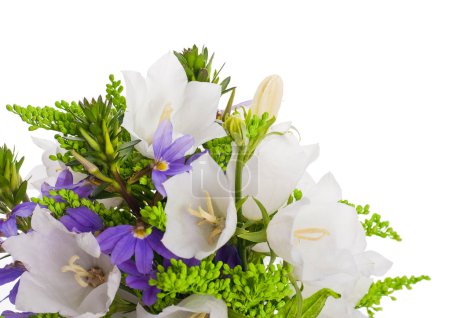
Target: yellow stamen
{"x": 209, "y": 217}
{"x": 167, "y": 111}
{"x": 162, "y": 166}
{"x": 93, "y": 277}
{"x": 311, "y": 234}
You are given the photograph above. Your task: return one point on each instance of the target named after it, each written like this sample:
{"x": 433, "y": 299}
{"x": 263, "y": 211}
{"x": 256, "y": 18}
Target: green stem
{"x": 241, "y": 245}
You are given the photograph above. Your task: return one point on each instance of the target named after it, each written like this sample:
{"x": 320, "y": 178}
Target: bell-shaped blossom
{"x": 273, "y": 172}
{"x": 66, "y": 272}
{"x": 193, "y": 306}
{"x": 169, "y": 155}
{"x": 201, "y": 214}
{"x": 81, "y": 220}
{"x": 326, "y": 243}
{"x": 124, "y": 241}
{"x": 167, "y": 94}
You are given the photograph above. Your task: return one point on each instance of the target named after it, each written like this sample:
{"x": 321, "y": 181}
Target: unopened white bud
{"x": 268, "y": 96}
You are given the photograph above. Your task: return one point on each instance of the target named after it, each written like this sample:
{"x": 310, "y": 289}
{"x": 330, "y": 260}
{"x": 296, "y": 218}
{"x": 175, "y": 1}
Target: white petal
{"x": 45, "y": 288}
{"x": 279, "y": 234}
{"x": 198, "y": 111}
{"x": 273, "y": 173}
{"x": 373, "y": 263}
{"x": 183, "y": 235}
{"x": 167, "y": 81}
{"x": 326, "y": 190}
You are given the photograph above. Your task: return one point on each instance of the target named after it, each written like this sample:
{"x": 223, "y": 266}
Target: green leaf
{"x": 264, "y": 213}
{"x": 291, "y": 309}
{"x": 313, "y": 305}
{"x": 21, "y": 192}
{"x": 256, "y": 237}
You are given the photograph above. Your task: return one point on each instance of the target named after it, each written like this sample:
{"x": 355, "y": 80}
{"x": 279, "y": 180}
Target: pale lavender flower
{"x": 169, "y": 155}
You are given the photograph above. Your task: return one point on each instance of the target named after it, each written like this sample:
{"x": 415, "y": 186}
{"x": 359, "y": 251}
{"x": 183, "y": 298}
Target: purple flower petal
{"x": 138, "y": 282}
{"x": 12, "y": 314}
{"x": 109, "y": 238}
{"x": 124, "y": 249}
{"x": 149, "y": 296}
{"x": 13, "y": 293}
{"x": 177, "y": 167}
{"x": 178, "y": 148}
{"x": 10, "y": 273}
{"x": 129, "y": 267}
{"x": 229, "y": 255}
{"x": 24, "y": 209}
{"x": 162, "y": 138}
{"x": 194, "y": 157}
{"x": 81, "y": 220}
{"x": 8, "y": 227}
{"x": 154, "y": 240}
{"x": 143, "y": 256}
{"x": 65, "y": 179}
{"x": 158, "y": 179}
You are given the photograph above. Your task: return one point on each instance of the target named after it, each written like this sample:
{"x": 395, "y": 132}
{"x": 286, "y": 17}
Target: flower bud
{"x": 235, "y": 126}
{"x": 268, "y": 96}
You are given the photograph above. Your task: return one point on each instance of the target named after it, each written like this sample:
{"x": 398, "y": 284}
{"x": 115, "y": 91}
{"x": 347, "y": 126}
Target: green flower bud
{"x": 235, "y": 127}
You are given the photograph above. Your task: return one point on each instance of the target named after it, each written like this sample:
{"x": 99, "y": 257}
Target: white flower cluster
{"x": 70, "y": 273}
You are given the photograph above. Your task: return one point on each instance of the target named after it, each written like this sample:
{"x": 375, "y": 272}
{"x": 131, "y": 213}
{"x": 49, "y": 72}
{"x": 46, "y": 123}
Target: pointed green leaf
{"x": 313, "y": 305}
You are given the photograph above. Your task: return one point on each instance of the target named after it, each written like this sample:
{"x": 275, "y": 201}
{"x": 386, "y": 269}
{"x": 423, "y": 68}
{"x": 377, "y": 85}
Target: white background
{"x": 368, "y": 80}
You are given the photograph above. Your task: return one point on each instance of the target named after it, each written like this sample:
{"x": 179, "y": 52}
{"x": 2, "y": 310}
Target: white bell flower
{"x": 167, "y": 94}
{"x": 194, "y": 306}
{"x": 326, "y": 243}
{"x": 273, "y": 172}
{"x": 201, "y": 214}
{"x": 66, "y": 272}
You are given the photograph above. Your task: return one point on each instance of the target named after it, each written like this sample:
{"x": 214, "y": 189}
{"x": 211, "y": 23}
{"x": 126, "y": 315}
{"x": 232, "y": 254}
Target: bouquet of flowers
{"x": 162, "y": 205}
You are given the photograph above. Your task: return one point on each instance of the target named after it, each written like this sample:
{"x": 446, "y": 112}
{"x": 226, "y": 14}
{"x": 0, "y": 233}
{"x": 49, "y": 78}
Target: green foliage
{"x": 12, "y": 188}
{"x": 373, "y": 225}
{"x": 295, "y": 196}
{"x": 257, "y": 128}
{"x": 111, "y": 217}
{"x": 220, "y": 150}
{"x": 257, "y": 292}
{"x": 313, "y": 305}
{"x": 48, "y": 118}
{"x": 385, "y": 288}
{"x": 154, "y": 216}
{"x": 198, "y": 67}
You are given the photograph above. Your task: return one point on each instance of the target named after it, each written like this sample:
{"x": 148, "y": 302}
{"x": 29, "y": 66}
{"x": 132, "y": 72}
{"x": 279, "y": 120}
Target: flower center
{"x": 93, "y": 277}
{"x": 162, "y": 165}
{"x": 199, "y": 315}
{"x": 209, "y": 217}
{"x": 140, "y": 232}
{"x": 311, "y": 234}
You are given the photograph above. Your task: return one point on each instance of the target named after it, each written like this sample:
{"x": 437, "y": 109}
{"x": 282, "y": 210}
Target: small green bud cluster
{"x": 385, "y": 288}
{"x": 155, "y": 216}
{"x": 373, "y": 225}
{"x": 220, "y": 150}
